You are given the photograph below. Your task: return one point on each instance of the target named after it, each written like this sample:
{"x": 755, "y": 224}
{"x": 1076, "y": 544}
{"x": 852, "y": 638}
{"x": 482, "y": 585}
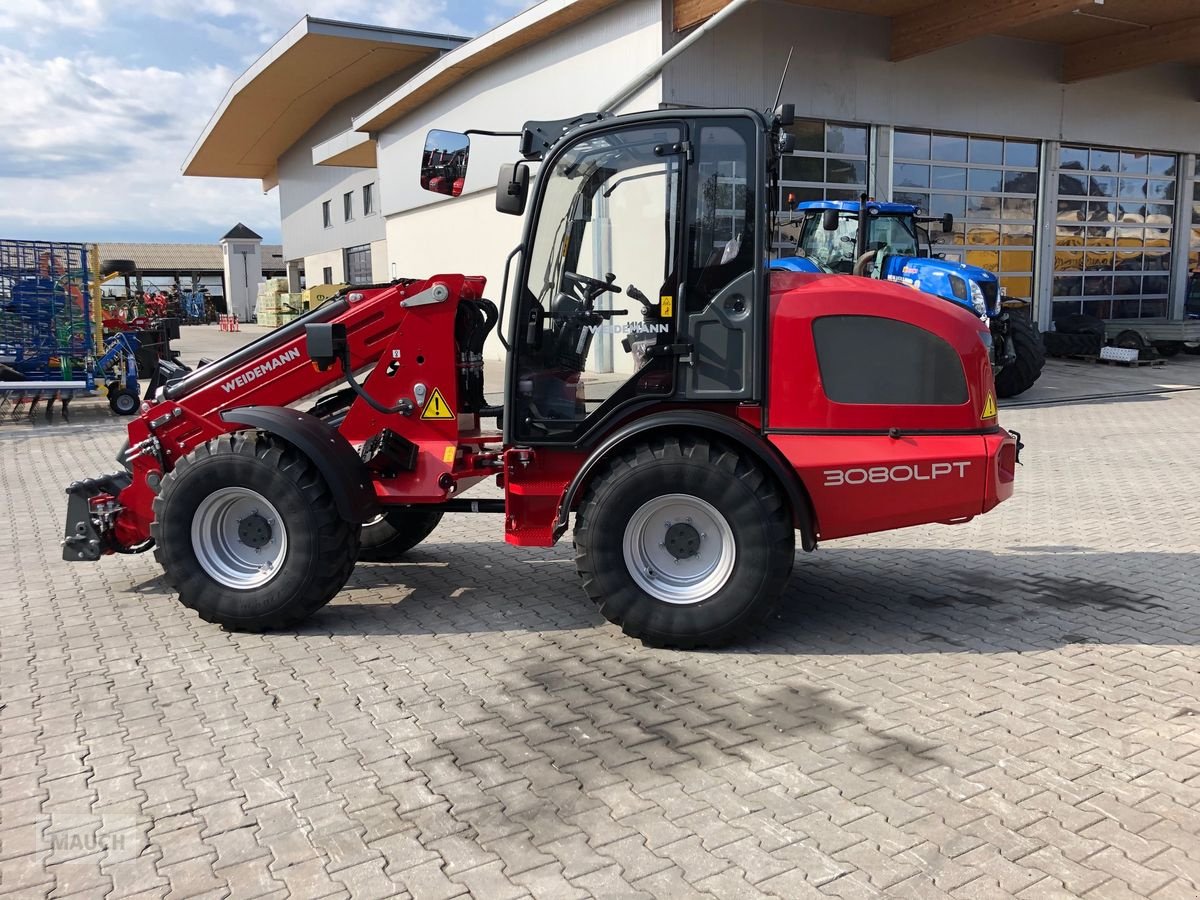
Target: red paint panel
{"x": 865, "y": 483}
{"x": 796, "y": 393}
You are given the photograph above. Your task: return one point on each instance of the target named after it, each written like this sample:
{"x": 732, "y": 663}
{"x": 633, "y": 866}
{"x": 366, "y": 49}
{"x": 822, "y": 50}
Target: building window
{"x": 358, "y": 264}
{"x": 989, "y": 184}
{"x": 327, "y": 274}
{"x": 327, "y": 214}
{"x": 368, "y": 199}
{"x": 829, "y": 162}
{"x": 1112, "y": 248}
{"x": 348, "y": 205}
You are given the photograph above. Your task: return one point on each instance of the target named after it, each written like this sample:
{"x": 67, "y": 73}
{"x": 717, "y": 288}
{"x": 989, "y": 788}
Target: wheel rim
{"x": 239, "y": 538}
{"x": 126, "y": 402}
{"x": 679, "y": 549}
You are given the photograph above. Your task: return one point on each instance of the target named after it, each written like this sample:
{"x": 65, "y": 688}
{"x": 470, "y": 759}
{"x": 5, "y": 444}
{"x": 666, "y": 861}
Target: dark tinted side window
{"x": 866, "y": 359}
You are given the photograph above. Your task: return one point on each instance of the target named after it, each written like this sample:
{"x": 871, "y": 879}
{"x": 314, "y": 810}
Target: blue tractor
{"x": 890, "y": 241}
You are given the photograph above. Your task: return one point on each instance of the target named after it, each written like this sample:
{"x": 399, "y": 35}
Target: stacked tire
{"x": 1075, "y": 335}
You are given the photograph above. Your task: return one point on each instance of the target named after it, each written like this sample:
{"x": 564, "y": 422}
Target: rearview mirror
{"x": 444, "y": 162}
{"x": 947, "y": 223}
{"x": 829, "y": 220}
{"x": 512, "y": 189}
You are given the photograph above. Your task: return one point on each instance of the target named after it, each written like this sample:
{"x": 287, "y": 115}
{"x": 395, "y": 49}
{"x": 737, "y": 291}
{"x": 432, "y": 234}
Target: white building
{"x": 1062, "y": 134}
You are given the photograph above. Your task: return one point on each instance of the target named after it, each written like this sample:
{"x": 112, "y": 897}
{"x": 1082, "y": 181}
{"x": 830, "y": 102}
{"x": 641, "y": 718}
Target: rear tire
{"x": 248, "y": 534}
{"x": 1023, "y": 372}
{"x": 396, "y": 532}
{"x": 651, "y": 517}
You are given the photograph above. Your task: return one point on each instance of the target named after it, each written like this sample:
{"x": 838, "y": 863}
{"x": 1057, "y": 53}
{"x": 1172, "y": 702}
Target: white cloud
{"x": 90, "y": 145}
{"x": 92, "y": 136}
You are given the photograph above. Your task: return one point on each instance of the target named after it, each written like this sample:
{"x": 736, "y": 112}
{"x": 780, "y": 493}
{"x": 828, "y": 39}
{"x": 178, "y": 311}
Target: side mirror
{"x": 512, "y": 190}
{"x": 829, "y": 220}
{"x": 948, "y": 223}
{"x": 785, "y": 114}
{"x": 444, "y": 162}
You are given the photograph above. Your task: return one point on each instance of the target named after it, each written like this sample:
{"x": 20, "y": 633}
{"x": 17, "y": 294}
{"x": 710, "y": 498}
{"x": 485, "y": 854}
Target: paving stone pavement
{"x": 998, "y": 709}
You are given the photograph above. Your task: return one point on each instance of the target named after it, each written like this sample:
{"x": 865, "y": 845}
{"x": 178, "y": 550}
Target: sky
{"x": 103, "y": 99}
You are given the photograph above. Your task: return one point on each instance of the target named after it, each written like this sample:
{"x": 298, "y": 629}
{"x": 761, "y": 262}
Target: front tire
{"x": 248, "y": 534}
{"x": 1023, "y": 372}
{"x": 396, "y": 532}
{"x": 683, "y": 542}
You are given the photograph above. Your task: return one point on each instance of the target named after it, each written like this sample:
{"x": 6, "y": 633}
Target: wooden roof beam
{"x": 1168, "y": 42}
{"x": 950, "y": 22}
{"x": 693, "y": 12}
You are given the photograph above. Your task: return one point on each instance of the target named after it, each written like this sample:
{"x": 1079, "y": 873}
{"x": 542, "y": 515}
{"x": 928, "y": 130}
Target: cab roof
{"x": 851, "y": 206}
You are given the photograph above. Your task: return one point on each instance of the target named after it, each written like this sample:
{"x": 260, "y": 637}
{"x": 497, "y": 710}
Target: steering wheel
{"x": 592, "y": 287}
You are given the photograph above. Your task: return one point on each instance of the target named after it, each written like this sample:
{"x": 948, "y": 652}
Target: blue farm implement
{"x": 52, "y": 345}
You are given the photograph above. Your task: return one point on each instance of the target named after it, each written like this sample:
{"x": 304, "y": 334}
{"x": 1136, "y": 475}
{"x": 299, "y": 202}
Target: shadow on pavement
{"x": 838, "y": 601}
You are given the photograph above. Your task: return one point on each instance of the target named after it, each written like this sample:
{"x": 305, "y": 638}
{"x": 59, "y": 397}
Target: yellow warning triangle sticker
{"x": 989, "y": 407}
{"x": 437, "y": 407}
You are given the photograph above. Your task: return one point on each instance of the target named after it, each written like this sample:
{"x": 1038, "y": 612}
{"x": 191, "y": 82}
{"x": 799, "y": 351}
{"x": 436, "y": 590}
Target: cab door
{"x": 723, "y": 295}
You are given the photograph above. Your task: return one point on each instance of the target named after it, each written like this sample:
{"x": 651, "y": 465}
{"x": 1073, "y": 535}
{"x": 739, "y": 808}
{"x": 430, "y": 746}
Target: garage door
{"x": 1114, "y": 221}
{"x": 990, "y": 186}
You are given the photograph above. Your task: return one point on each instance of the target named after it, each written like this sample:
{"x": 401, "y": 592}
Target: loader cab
{"x": 642, "y": 277}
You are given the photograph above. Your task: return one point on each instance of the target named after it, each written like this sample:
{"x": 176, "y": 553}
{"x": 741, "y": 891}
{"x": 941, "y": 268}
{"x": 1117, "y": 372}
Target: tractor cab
{"x": 889, "y": 241}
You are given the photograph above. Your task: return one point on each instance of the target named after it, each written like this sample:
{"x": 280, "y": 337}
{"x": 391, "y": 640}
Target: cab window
{"x": 604, "y": 253}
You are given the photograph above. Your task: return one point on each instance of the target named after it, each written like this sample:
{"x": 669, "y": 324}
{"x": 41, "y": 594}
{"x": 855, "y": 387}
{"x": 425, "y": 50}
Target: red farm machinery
{"x": 748, "y": 411}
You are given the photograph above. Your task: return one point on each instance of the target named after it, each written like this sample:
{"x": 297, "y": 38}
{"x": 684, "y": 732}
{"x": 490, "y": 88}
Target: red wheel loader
{"x": 697, "y": 424}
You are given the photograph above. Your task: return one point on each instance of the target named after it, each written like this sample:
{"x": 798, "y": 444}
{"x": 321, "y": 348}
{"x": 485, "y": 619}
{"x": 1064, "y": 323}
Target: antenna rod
{"x": 661, "y": 63}
{"x": 783, "y": 78}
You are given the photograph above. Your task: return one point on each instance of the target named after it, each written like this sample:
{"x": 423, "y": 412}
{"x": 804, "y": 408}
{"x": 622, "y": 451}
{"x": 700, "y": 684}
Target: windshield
{"x": 604, "y": 255}
{"x": 835, "y": 250}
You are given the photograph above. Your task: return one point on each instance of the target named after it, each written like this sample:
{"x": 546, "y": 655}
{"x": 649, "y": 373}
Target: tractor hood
{"x": 970, "y": 286}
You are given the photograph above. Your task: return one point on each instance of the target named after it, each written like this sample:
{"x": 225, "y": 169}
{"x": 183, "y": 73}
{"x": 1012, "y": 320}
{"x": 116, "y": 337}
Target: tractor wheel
{"x": 684, "y": 542}
{"x": 1059, "y": 343}
{"x": 1079, "y": 323}
{"x": 1167, "y": 349}
{"x": 1020, "y": 375}
{"x": 395, "y": 532}
{"x": 248, "y": 533}
{"x": 122, "y": 401}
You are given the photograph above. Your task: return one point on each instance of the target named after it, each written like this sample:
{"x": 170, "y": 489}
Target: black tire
{"x": 1129, "y": 339}
{"x": 122, "y": 401}
{"x": 1021, "y": 374}
{"x": 396, "y": 532}
{"x": 1058, "y": 343}
{"x": 1167, "y": 349}
{"x": 320, "y": 546}
{"x": 752, "y": 506}
{"x": 1079, "y": 323}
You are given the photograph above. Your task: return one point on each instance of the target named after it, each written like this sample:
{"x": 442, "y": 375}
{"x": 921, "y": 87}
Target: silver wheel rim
{"x": 679, "y": 549}
{"x": 126, "y": 403}
{"x": 239, "y": 538}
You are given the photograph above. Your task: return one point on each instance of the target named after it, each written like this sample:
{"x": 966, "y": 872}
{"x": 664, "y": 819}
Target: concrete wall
{"x": 314, "y": 267}
{"x": 427, "y": 234}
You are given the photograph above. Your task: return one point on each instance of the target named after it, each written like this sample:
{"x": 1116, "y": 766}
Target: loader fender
{"x": 715, "y": 424}
{"x": 337, "y": 461}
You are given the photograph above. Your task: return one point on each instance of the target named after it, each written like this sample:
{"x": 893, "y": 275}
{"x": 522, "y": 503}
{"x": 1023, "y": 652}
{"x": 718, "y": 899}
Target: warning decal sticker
{"x": 437, "y": 407}
{"x": 989, "y": 407}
